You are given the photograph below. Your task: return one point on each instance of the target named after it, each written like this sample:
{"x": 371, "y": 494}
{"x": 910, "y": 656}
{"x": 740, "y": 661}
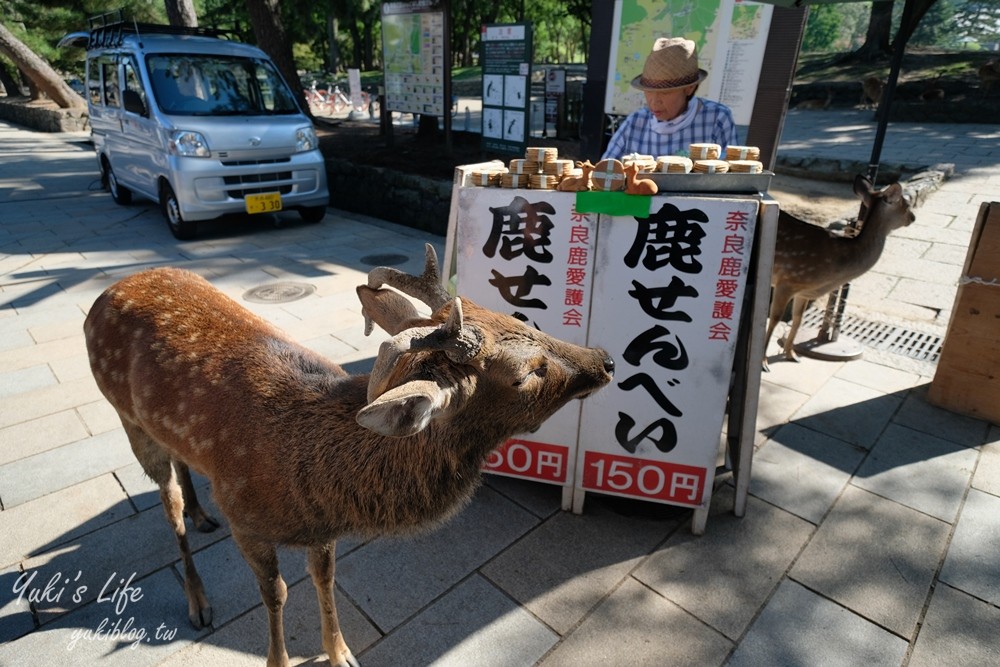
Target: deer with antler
{"x": 298, "y": 452}
{"x": 577, "y": 182}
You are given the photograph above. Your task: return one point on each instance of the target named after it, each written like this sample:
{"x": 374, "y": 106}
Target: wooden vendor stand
{"x": 674, "y": 286}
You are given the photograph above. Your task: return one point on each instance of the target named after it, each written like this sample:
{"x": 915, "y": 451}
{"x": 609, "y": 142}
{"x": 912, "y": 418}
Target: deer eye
{"x": 540, "y": 372}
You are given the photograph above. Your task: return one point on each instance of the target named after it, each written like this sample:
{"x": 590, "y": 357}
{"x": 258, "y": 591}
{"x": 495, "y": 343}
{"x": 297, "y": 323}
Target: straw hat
{"x": 672, "y": 64}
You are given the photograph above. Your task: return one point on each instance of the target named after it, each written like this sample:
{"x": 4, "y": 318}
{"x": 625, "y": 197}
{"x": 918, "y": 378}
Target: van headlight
{"x": 188, "y": 144}
{"x": 305, "y": 139}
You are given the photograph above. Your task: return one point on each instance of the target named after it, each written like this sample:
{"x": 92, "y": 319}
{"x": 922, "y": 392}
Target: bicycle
{"x": 318, "y": 100}
{"x": 342, "y": 102}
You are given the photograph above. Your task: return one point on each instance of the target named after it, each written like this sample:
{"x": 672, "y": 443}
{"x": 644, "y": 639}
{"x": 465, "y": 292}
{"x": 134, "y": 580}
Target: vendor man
{"x": 673, "y": 117}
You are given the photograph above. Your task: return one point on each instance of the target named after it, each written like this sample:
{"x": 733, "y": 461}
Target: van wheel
{"x": 119, "y": 192}
{"x": 181, "y": 229}
{"x": 312, "y": 213}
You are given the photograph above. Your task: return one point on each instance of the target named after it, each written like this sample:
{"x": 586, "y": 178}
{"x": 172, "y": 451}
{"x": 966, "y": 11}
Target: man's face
{"x": 668, "y": 104}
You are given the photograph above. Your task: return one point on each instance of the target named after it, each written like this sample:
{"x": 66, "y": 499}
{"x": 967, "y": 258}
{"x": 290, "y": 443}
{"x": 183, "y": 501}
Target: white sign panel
{"x": 529, "y": 254}
{"x": 667, "y": 297}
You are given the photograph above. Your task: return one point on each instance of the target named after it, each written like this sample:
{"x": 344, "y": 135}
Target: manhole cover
{"x": 386, "y": 259}
{"x": 278, "y": 292}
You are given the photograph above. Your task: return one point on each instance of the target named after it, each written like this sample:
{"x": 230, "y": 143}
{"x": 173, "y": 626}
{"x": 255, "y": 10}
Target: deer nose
{"x": 609, "y": 364}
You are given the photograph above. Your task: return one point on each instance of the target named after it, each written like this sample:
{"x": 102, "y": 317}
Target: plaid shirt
{"x": 713, "y": 124}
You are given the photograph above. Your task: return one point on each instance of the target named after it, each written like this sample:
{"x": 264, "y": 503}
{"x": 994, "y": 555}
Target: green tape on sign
{"x": 613, "y": 203}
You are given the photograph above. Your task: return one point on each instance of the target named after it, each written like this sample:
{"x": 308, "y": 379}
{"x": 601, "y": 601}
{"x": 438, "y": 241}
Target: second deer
{"x": 298, "y": 452}
{"x": 871, "y": 92}
{"x": 810, "y": 262}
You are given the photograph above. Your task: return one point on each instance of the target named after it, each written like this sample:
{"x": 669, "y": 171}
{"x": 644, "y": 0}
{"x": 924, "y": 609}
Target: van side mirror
{"x": 133, "y": 102}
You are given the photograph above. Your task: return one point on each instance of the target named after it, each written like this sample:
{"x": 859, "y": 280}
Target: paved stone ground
{"x": 870, "y": 537}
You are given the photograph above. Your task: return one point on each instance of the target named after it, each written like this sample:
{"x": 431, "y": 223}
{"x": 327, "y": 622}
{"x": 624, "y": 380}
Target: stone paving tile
{"x": 917, "y": 413}
{"x": 552, "y": 577}
{"x": 88, "y": 635}
{"x": 542, "y": 500}
{"x": 33, "y": 527}
{"x": 877, "y": 376}
{"x": 635, "y": 626}
{"x": 473, "y": 624}
{"x": 987, "y": 477}
{"x": 798, "y": 627}
{"x": 432, "y": 562}
{"x": 99, "y": 416}
{"x": 972, "y": 564}
{"x": 802, "y": 471}
{"x": 133, "y": 547}
{"x": 38, "y": 435}
{"x": 775, "y": 405}
{"x": 15, "y": 610}
{"x": 857, "y": 420}
{"x": 25, "y": 379}
{"x": 957, "y": 630}
{"x": 230, "y": 584}
{"x": 243, "y": 642}
{"x": 29, "y": 405}
{"x": 23, "y": 480}
{"x": 874, "y": 557}
{"x": 725, "y": 575}
{"x": 918, "y": 470}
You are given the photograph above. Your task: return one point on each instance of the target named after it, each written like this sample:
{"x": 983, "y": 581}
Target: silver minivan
{"x": 203, "y": 126}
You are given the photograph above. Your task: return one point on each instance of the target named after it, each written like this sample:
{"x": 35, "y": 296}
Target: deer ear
{"x": 404, "y": 410}
{"x": 389, "y": 309}
{"x": 893, "y": 193}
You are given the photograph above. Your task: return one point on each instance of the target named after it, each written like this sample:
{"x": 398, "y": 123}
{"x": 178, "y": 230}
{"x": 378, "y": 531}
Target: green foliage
{"x": 823, "y": 29}
{"x": 306, "y": 58}
{"x": 40, "y": 24}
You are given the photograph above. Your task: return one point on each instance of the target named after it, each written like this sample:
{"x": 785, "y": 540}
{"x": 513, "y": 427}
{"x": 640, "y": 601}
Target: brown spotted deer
{"x": 989, "y": 73}
{"x": 298, "y": 452}
{"x": 871, "y": 92}
{"x": 810, "y": 262}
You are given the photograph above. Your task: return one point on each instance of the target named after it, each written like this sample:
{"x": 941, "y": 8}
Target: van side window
{"x": 94, "y": 81}
{"x": 132, "y": 83}
{"x": 109, "y": 68}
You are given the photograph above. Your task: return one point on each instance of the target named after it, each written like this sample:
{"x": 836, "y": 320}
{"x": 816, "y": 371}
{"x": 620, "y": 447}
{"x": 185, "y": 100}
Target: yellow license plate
{"x": 268, "y": 202}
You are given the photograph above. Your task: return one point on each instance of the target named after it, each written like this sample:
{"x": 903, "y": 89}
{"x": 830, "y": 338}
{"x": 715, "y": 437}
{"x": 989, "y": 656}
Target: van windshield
{"x": 206, "y": 85}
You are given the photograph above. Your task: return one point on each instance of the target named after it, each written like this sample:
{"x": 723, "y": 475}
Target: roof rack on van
{"x": 110, "y": 28}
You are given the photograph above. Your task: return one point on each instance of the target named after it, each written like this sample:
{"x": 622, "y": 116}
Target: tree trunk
{"x": 181, "y": 13}
{"x": 8, "y": 82}
{"x": 265, "y": 17}
{"x": 44, "y": 78}
{"x": 877, "y": 40}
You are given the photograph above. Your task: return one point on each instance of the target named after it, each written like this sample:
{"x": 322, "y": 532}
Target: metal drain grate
{"x": 882, "y": 336}
{"x": 283, "y": 292}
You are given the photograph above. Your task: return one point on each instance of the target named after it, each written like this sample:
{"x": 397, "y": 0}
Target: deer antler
{"x": 461, "y": 344}
{"x": 426, "y": 287}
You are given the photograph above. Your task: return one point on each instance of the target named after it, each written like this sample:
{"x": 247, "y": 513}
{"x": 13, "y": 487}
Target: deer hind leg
{"x": 798, "y": 308}
{"x": 779, "y": 301}
{"x": 263, "y": 560}
{"x": 322, "y": 563}
{"x": 157, "y": 465}
{"x": 203, "y": 521}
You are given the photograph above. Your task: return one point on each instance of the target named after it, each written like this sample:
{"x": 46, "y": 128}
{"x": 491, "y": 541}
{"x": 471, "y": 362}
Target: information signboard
{"x": 668, "y": 294}
{"x": 532, "y": 256}
{"x": 506, "y": 65}
{"x": 413, "y": 50}
{"x": 730, "y": 36}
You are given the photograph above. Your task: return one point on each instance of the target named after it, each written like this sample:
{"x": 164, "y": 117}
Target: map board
{"x": 413, "y": 49}
{"x": 730, "y": 36}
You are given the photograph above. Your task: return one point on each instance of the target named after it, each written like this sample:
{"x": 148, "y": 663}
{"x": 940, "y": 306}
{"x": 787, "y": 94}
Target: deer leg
{"x": 263, "y": 560}
{"x": 203, "y": 521}
{"x": 321, "y": 565}
{"x": 157, "y": 464}
{"x": 798, "y": 307}
{"x": 779, "y": 301}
